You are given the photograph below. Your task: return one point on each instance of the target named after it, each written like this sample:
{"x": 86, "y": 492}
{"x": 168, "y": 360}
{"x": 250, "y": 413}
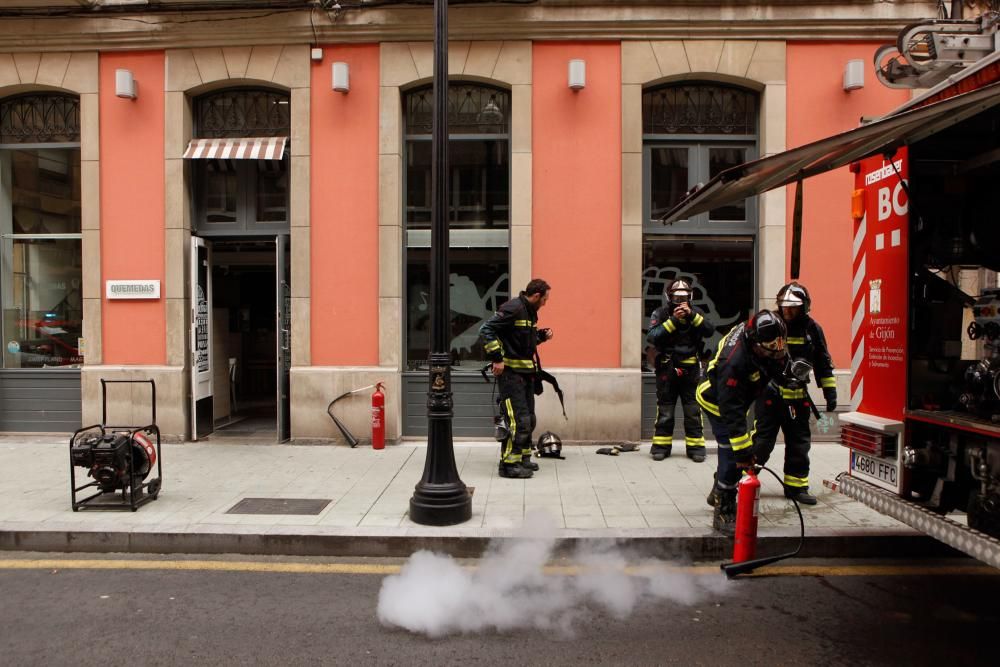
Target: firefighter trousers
{"x": 516, "y": 397}
{"x": 791, "y": 417}
{"x": 670, "y": 386}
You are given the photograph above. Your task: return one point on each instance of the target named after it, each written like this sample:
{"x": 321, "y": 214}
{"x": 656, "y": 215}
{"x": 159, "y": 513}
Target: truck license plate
{"x": 883, "y": 472}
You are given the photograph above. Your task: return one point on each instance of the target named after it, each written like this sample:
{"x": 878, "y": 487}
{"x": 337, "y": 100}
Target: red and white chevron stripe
{"x": 858, "y": 305}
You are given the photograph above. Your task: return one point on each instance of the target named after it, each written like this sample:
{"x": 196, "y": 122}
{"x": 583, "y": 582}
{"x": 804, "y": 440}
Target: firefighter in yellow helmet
{"x": 677, "y": 330}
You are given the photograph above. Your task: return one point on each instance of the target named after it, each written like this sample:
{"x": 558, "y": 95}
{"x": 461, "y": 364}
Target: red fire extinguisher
{"x": 378, "y": 417}
{"x": 745, "y": 542}
{"x": 747, "y": 503}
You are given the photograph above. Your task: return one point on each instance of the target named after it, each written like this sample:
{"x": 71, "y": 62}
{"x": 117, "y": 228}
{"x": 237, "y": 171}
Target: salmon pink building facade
{"x": 254, "y": 235}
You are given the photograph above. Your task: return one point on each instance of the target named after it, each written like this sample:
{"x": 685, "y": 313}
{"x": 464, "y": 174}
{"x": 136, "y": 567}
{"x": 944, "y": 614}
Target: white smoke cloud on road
{"x": 509, "y": 588}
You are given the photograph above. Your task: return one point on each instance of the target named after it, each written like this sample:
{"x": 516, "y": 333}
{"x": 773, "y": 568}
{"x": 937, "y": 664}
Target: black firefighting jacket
{"x": 510, "y": 335}
{"x": 678, "y": 340}
{"x": 736, "y": 377}
{"x": 806, "y": 341}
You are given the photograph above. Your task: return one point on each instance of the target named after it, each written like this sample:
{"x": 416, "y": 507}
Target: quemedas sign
{"x": 132, "y": 289}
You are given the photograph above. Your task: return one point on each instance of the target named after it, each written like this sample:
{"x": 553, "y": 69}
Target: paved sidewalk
{"x": 588, "y": 496}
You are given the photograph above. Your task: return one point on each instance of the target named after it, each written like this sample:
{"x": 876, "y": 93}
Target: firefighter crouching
{"x": 748, "y": 357}
{"x": 785, "y": 404}
{"x": 677, "y": 331}
{"x": 510, "y": 340}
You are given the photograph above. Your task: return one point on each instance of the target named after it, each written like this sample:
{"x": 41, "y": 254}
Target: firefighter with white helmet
{"x": 786, "y": 404}
{"x": 677, "y": 331}
{"x": 748, "y": 357}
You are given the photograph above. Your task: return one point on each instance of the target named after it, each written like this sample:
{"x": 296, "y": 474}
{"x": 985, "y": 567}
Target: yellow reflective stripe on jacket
{"x": 792, "y": 394}
{"x": 740, "y": 442}
{"x": 828, "y": 382}
{"x": 669, "y": 326}
{"x": 697, "y": 320}
{"x": 519, "y": 363}
{"x": 703, "y": 402}
{"x": 791, "y": 480}
{"x": 794, "y": 340}
{"x": 755, "y": 376}
{"x": 689, "y": 360}
{"x": 523, "y": 323}
{"x": 492, "y": 346}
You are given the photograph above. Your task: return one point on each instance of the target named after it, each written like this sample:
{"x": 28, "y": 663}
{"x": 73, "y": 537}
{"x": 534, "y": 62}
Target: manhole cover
{"x": 279, "y": 506}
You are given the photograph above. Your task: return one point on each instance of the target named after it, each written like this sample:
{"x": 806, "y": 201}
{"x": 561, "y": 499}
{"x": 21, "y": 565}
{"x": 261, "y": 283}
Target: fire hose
{"x": 351, "y": 440}
{"x": 745, "y": 539}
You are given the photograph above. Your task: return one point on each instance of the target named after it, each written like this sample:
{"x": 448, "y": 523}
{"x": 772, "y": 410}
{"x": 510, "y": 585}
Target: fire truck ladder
{"x": 927, "y": 53}
{"x": 979, "y": 545}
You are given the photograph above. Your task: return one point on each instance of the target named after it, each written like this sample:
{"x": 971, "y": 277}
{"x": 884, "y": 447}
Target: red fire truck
{"x": 924, "y": 428}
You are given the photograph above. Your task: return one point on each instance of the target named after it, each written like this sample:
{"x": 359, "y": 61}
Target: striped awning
{"x": 242, "y": 148}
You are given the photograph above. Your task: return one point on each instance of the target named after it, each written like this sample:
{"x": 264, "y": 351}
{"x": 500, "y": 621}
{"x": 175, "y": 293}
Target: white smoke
{"x": 510, "y": 589}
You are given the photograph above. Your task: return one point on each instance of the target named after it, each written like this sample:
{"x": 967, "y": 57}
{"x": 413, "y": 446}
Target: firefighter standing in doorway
{"x": 510, "y": 340}
{"x": 786, "y": 404}
{"x": 677, "y": 331}
{"x": 748, "y": 357}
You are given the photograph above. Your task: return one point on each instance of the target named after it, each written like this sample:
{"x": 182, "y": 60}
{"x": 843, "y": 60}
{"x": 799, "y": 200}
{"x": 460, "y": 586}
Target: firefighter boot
{"x": 713, "y": 495}
{"x": 724, "y": 517}
{"x": 696, "y": 454}
{"x": 800, "y": 494}
{"x": 660, "y": 452}
{"x": 526, "y": 462}
{"x": 514, "y": 471}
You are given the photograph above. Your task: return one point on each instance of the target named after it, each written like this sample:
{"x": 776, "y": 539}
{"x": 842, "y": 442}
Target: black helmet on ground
{"x": 549, "y": 445}
{"x": 767, "y": 334}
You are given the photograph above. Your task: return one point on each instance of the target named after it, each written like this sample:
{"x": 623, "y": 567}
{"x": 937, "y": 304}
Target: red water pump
{"x": 745, "y": 536}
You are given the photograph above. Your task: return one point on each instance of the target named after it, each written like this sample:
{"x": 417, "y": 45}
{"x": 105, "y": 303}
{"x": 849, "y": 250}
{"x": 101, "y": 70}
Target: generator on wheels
{"x": 118, "y": 459}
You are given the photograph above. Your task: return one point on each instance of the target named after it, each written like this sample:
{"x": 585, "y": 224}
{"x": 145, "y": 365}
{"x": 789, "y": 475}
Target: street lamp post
{"x": 440, "y": 497}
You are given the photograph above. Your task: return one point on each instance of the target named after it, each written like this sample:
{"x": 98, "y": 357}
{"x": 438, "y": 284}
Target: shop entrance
{"x": 242, "y": 350}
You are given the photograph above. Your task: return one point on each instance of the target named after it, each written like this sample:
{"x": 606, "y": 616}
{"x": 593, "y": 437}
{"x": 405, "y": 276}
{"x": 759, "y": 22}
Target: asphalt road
{"x": 61, "y": 610}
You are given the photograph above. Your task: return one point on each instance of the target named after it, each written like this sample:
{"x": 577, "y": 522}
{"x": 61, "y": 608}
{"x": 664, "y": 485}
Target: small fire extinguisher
{"x": 745, "y": 535}
{"x": 747, "y": 504}
{"x": 378, "y": 417}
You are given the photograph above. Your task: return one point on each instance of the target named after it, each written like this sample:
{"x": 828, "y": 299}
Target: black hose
{"x": 736, "y": 569}
{"x": 351, "y": 440}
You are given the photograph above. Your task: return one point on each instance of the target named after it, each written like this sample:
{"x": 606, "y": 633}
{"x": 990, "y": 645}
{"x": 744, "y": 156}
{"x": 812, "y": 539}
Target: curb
{"x": 691, "y": 545}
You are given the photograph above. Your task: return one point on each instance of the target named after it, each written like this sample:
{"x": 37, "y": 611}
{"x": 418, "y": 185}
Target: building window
{"x": 241, "y": 195}
{"x": 691, "y": 132}
{"x": 40, "y": 240}
{"x": 479, "y": 216}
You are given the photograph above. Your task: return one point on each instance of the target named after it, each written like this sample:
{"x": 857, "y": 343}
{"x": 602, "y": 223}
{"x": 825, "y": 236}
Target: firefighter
{"x": 747, "y": 358}
{"x": 786, "y": 404}
{"x": 510, "y": 340}
{"x": 677, "y": 331}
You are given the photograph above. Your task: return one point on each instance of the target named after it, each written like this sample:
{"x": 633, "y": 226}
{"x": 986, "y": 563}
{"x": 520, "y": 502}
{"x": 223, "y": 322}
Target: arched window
{"x": 691, "y": 131}
{"x": 40, "y": 231}
{"x": 241, "y": 191}
{"x": 479, "y": 215}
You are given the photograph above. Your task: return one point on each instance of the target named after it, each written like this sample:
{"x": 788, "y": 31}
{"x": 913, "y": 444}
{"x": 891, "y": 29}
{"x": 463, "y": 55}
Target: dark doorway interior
{"x": 243, "y": 280}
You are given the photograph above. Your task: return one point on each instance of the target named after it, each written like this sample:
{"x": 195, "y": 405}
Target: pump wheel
{"x": 984, "y": 514}
{"x": 974, "y": 330}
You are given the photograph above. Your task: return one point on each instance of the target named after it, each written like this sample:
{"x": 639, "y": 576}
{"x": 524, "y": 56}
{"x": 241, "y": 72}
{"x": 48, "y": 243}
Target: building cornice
{"x": 819, "y": 21}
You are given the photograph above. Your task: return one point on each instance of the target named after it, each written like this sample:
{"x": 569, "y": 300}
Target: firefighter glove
{"x": 830, "y": 394}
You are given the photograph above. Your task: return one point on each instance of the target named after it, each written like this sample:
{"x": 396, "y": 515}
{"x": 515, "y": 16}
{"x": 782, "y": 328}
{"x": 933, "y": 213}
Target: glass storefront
{"x": 478, "y": 216}
{"x": 42, "y": 325}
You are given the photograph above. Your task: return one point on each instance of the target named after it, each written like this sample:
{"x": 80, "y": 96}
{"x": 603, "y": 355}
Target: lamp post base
{"x": 440, "y": 504}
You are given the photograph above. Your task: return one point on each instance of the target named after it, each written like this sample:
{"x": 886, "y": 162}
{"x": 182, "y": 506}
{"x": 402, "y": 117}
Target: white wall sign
{"x": 132, "y": 289}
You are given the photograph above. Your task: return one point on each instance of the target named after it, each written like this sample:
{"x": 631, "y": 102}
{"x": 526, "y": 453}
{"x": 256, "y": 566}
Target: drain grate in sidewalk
{"x": 279, "y": 506}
